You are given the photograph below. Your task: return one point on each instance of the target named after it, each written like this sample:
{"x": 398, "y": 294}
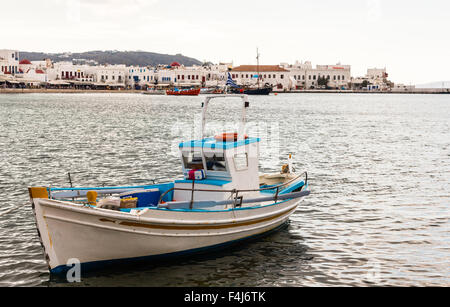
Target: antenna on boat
{"x": 70, "y": 181}
{"x": 257, "y": 64}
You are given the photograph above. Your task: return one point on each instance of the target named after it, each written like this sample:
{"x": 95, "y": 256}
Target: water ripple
{"x": 379, "y": 166}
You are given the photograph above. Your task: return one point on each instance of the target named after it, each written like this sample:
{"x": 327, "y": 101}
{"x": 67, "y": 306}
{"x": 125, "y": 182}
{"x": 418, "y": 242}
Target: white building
{"x": 374, "y": 80}
{"x": 274, "y": 75}
{"x": 307, "y": 77}
{"x": 140, "y": 76}
{"x": 9, "y": 62}
{"x": 69, "y": 72}
{"x": 109, "y": 75}
{"x": 376, "y": 73}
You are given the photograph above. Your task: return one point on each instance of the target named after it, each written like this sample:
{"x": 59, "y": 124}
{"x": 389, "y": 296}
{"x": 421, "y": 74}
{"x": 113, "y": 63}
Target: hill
{"x": 129, "y": 58}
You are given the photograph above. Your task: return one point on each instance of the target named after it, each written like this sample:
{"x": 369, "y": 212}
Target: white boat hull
{"x": 94, "y": 236}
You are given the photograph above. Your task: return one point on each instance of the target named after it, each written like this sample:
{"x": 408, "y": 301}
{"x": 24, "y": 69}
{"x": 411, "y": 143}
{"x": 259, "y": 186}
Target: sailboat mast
{"x": 257, "y": 64}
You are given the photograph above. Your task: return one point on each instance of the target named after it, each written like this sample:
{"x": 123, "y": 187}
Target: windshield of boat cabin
{"x": 215, "y": 162}
{"x": 193, "y": 160}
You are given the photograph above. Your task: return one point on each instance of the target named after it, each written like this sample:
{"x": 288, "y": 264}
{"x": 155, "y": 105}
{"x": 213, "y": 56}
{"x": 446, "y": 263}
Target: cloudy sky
{"x": 409, "y": 37}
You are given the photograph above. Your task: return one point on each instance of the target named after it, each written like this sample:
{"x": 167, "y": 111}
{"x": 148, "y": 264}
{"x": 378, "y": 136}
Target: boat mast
{"x": 257, "y": 64}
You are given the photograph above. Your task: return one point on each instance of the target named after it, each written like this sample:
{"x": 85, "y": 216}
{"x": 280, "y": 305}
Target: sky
{"x": 408, "y": 37}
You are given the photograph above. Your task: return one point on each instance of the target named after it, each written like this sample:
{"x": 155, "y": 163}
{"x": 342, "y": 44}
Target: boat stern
{"x": 36, "y": 195}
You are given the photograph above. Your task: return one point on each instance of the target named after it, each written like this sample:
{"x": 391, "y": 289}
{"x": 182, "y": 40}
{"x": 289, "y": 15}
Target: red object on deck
{"x": 228, "y": 137}
{"x": 192, "y": 92}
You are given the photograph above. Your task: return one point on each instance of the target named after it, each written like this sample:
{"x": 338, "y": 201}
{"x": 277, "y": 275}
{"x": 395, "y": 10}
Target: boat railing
{"x": 238, "y": 200}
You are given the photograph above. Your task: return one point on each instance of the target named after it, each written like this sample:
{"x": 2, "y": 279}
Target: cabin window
{"x": 193, "y": 161}
{"x": 241, "y": 162}
{"x": 215, "y": 162}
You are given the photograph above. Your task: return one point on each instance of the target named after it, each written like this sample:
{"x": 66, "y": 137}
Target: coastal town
{"x": 79, "y": 74}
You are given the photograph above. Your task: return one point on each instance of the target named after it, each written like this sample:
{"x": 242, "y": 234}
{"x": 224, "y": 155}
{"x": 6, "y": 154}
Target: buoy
{"x": 228, "y": 137}
{"x": 92, "y": 198}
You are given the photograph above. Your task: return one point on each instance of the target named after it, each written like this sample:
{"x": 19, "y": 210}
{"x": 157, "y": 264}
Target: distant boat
{"x": 254, "y": 91}
{"x": 235, "y": 89}
{"x": 207, "y": 91}
{"x": 154, "y": 92}
{"x": 189, "y": 92}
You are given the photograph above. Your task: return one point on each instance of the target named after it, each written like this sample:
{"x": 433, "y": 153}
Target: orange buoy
{"x": 92, "y": 198}
{"x": 228, "y": 137}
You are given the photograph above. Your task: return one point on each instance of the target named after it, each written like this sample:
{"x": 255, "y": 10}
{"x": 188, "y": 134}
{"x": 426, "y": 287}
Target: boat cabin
{"x": 222, "y": 163}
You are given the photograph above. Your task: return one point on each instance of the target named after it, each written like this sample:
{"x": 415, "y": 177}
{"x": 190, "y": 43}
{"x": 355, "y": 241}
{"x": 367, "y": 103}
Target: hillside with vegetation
{"x": 129, "y": 58}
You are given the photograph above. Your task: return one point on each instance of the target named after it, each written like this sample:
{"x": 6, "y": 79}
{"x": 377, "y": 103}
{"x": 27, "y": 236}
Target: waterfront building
{"x": 109, "y": 75}
{"x": 9, "y": 62}
{"x": 374, "y": 80}
{"x": 194, "y": 76}
{"x": 306, "y": 77}
{"x": 138, "y": 77}
{"x": 376, "y": 73}
{"x": 216, "y": 74}
{"x": 273, "y": 75}
{"x": 68, "y": 72}
{"x": 283, "y": 77}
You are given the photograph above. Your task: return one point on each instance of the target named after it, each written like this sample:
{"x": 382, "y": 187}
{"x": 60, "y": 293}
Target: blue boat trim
{"x": 218, "y": 183}
{"x": 213, "y": 144}
{"x": 89, "y": 266}
{"x": 286, "y": 190}
{"x": 110, "y": 188}
{"x": 228, "y": 210}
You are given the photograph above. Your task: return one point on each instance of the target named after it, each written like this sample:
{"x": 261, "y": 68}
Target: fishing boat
{"x": 220, "y": 200}
{"x": 250, "y": 90}
{"x": 183, "y": 92}
{"x": 213, "y": 90}
{"x": 255, "y": 91}
{"x": 154, "y": 91}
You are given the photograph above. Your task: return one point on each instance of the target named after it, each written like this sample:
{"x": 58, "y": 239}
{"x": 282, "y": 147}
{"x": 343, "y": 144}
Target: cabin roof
{"x": 212, "y": 143}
